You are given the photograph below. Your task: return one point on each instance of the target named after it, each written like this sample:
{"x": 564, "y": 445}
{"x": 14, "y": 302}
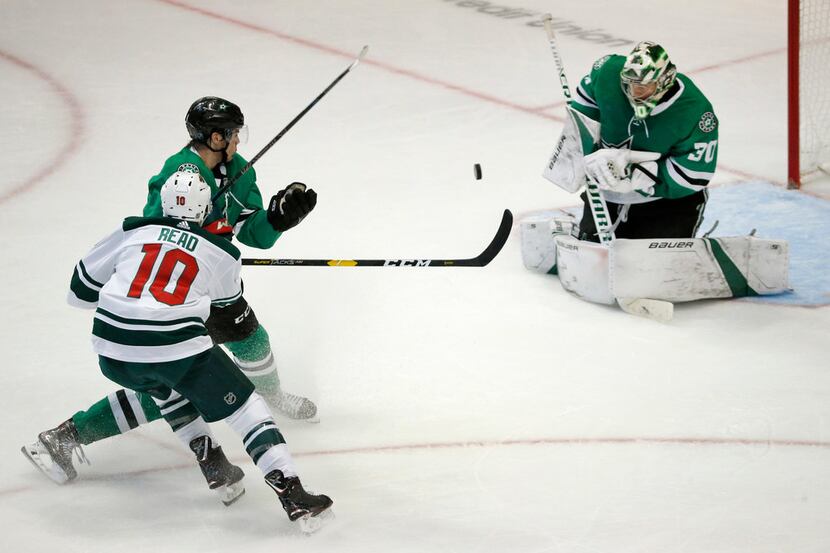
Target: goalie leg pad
{"x": 583, "y": 269}
{"x": 691, "y": 269}
{"x": 537, "y": 240}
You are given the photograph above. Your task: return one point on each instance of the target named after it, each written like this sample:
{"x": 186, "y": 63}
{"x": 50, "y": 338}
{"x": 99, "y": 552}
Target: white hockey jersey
{"x": 153, "y": 281}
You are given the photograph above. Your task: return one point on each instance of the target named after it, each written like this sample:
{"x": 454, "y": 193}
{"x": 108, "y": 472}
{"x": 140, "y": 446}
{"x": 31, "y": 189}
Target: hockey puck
{"x": 477, "y": 171}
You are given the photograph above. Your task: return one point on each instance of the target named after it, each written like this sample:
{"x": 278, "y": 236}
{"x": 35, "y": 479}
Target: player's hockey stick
{"x": 231, "y": 181}
{"x": 653, "y": 309}
{"x": 480, "y": 260}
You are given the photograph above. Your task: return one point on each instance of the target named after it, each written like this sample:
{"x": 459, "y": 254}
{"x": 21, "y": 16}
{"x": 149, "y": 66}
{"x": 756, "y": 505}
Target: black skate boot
{"x": 221, "y": 475}
{"x": 52, "y": 452}
{"x": 311, "y": 510}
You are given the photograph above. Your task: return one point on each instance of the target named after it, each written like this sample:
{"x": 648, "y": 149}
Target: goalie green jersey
{"x": 682, "y": 127}
{"x": 238, "y": 213}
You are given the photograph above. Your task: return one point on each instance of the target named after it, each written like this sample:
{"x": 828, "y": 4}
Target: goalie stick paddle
{"x": 480, "y": 260}
{"x": 231, "y": 181}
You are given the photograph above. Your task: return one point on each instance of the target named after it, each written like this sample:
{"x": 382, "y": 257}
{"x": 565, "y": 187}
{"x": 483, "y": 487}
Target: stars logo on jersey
{"x": 624, "y": 145}
{"x": 188, "y": 168}
{"x": 708, "y": 122}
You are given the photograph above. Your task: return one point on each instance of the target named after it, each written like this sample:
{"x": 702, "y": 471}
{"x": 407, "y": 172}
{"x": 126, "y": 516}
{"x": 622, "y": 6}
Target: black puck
{"x": 477, "y": 171}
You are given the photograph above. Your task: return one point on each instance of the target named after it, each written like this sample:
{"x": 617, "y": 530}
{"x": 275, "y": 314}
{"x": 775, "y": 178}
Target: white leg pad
{"x": 537, "y": 234}
{"x": 583, "y": 269}
{"x": 690, "y": 269}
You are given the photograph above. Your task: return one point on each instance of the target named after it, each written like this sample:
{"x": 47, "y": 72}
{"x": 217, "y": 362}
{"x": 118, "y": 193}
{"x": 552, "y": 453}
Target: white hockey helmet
{"x": 185, "y": 195}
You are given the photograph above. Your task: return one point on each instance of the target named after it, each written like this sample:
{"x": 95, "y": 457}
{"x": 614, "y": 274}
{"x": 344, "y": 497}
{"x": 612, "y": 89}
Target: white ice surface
{"x": 462, "y": 410}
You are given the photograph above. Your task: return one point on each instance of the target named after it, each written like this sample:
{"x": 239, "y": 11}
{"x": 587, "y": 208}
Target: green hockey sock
{"x": 254, "y": 357}
{"x": 115, "y": 414}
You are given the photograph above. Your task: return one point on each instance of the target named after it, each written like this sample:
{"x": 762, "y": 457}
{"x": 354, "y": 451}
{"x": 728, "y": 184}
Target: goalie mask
{"x": 647, "y": 64}
{"x": 211, "y": 114}
{"x": 186, "y": 196}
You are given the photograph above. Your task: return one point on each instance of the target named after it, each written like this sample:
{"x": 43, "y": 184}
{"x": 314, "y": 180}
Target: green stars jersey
{"x": 153, "y": 281}
{"x": 240, "y": 210}
{"x": 682, "y": 127}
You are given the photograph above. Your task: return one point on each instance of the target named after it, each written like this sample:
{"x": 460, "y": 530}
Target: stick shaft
{"x": 557, "y": 58}
{"x": 231, "y": 181}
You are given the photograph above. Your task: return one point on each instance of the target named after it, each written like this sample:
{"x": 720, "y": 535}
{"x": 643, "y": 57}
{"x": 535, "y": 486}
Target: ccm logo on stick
{"x": 407, "y": 262}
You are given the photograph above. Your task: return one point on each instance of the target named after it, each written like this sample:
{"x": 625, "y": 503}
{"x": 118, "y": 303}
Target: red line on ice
{"x": 681, "y": 441}
{"x": 571, "y": 441}
{"x": 76, "y": 128}
{"x": 351, "y": 55}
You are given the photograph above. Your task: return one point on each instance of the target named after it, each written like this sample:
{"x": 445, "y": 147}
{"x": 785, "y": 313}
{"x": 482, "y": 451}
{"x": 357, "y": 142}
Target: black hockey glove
{"x": 290, "y": 206}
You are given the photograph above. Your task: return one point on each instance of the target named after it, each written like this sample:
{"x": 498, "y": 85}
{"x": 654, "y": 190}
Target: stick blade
{"x": 489, "y": 253}
{"x": 499, "y": 240}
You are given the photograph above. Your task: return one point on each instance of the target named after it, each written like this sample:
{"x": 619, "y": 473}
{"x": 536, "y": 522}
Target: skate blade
{"x": 309, "y": 524}
{"x": 54, "y": 473}
{"x": 301, "y": 417}
{"x": 231, "y": 493}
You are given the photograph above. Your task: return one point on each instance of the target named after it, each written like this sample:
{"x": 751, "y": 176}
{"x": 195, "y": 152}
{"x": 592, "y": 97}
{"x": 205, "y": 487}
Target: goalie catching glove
{"x": 290, "y": 206}
{"x": 622, "y": 170}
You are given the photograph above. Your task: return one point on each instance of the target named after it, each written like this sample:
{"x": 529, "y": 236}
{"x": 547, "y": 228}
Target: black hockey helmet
{"x": 211, "y": 114}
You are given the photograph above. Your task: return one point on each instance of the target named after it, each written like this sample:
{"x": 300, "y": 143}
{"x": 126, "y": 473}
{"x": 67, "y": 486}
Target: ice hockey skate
{"x": 267, "y": 383}
{"x": 308, "y": 510}
{"x": 52, "y": 452}
{"x": 294, "y": 406}
{"x": 221, "y": 475}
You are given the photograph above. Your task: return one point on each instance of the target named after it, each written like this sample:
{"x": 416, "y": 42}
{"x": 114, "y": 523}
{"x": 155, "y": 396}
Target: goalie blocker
{"x": 674, "y": 270}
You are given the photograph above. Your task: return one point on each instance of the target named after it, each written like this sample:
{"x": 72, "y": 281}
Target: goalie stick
{"x": 657, "y": 310}
{"x": 231, "y": 181}
{"x": 485, "y": 257}
{"x": 596, "y": 201}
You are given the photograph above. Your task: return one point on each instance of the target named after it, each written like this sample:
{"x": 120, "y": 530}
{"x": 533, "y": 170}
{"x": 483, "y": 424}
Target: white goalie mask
{"x": 647, "y": 63}
{"x": 186, "y": 196}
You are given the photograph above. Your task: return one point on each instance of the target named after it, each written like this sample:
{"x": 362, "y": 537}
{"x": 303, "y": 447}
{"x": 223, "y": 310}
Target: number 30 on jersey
{"x": 704, "y": 151}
